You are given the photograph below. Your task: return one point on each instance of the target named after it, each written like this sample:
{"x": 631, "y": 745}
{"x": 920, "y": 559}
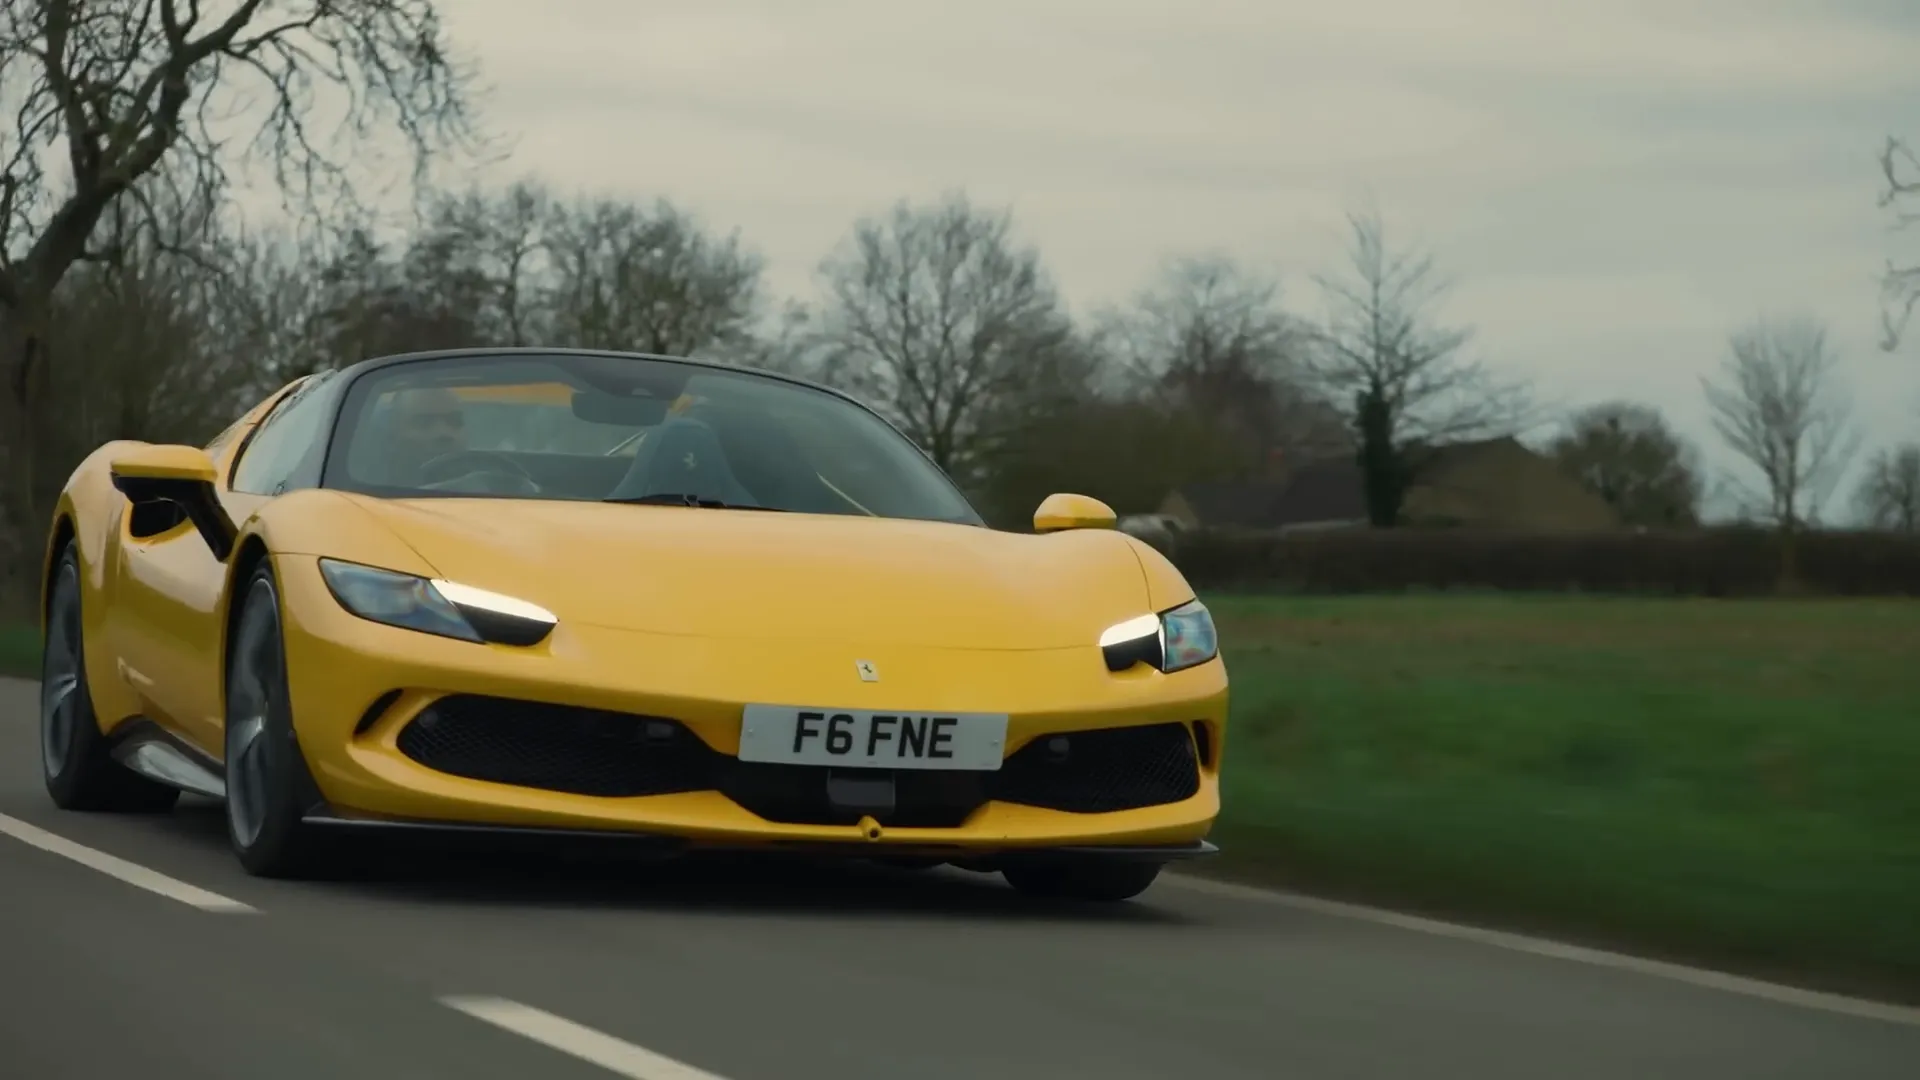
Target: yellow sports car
{"x": 558, "y": 593}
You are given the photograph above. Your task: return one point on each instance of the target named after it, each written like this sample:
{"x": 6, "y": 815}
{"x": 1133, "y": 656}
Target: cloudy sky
{"x": 1614, "y": 185}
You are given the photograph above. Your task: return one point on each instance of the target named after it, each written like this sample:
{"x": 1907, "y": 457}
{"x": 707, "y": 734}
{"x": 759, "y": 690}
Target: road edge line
{"x": 131, "y": 873}
{"x": 1778, "y": 993}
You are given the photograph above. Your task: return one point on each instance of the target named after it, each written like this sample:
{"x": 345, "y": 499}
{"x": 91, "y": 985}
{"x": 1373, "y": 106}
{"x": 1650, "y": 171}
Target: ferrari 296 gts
{"x": 559, "y": 593}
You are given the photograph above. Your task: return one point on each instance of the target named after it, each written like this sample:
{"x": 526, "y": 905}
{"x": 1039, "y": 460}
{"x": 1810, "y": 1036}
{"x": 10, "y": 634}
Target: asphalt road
{"x": 424, "y": 966}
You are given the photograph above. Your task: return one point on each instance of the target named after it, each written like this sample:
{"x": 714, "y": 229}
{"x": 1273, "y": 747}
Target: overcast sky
{"x": 1615, "y": 185}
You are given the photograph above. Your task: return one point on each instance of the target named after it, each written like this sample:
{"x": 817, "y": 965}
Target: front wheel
{"x": 1097, "y": 880}
{"x": 263, "y": 759}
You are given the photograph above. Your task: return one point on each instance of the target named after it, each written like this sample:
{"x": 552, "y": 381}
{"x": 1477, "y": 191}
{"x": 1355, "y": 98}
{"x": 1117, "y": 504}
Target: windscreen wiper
{"x": 670, "y": 498}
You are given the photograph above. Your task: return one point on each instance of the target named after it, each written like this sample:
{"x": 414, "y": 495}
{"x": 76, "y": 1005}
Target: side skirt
{"x": 163, "y": 757}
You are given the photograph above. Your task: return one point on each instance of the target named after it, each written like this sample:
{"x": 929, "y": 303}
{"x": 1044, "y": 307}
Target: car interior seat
{"x": 682, "y": 456}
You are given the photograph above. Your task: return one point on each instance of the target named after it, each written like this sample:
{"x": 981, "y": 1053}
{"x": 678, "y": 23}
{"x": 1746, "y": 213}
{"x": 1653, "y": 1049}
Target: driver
{"x": 424, "y": 423}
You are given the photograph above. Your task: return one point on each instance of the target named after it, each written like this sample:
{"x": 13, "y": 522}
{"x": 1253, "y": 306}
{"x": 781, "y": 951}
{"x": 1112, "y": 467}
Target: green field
{"x": 20, "y": 650}
{"x": 1730, "y": 781}
{"x": 1736, "y": 782}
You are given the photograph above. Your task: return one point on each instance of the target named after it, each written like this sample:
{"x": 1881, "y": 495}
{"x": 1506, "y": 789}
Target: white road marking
{"x": 1716, "y": 980}
{"x": 614, "y": 1055}
{"x": 132, "y": 873}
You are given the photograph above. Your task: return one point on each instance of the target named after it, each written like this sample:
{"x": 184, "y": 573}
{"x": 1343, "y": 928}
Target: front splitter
{"x": 655, "y": 845}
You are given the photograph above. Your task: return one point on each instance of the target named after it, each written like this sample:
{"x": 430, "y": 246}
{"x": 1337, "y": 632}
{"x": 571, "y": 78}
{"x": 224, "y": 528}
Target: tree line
{"x": 133, "y": 305}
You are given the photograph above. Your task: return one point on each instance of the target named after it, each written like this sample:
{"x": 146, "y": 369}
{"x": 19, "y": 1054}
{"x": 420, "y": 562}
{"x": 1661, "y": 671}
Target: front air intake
{"x": 621, "y": 755}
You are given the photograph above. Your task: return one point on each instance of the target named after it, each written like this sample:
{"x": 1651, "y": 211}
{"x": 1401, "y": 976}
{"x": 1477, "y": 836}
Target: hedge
{"x": 1721, "y": 562}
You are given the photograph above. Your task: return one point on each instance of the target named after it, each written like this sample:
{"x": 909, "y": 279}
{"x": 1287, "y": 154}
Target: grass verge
{"x": 1726, "y": 782}
{"x": 20, "y": 650}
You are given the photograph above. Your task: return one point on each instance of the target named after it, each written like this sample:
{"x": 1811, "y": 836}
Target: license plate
{"x": 861, "y": 739}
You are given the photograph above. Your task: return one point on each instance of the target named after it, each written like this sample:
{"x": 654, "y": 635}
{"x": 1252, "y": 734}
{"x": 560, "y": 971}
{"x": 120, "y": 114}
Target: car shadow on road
{"x": 419, "y": 869}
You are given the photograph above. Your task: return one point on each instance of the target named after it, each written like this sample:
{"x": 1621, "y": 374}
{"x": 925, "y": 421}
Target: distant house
{"x": 1493, "y": 483}
{"x": 1159, "y": 530}
{"x": 1322, "y": 494}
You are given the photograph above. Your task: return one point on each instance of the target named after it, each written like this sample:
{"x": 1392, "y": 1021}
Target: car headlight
{"x": 1171, "y": 641}
{"x": 435, "y": 606}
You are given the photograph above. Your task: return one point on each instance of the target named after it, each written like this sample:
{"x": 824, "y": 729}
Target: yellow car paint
{"x": 92, "y": 513}
{"x": 341, "y": 665}
{"x": 753, "y": 574}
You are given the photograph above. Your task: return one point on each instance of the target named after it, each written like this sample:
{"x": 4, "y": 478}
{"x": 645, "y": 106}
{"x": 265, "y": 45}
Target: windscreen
{"x": 627, "y": 429}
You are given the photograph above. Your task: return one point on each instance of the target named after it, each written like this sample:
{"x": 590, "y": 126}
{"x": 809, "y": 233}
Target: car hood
{"x": 756, "y": 574}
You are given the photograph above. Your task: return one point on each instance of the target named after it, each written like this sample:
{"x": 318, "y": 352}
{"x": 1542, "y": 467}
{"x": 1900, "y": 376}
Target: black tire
{"x": 1098, "y": 880}
{"x": 267, "y": 777}
{"x": 75, "y": 761}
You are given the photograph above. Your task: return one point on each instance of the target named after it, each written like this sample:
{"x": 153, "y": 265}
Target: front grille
{"x": 560, "y": 748}
{"x": 1100, "y": 771}
{"x": 615, "y": 755}
{"x": 801, "y": 795}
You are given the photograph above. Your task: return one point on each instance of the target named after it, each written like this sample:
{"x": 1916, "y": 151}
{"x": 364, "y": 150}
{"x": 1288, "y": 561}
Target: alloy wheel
{"x": 59, "y": 686}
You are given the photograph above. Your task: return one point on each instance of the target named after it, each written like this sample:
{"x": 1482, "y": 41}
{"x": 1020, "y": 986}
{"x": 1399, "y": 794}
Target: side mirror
{"x": 182, "y": 475}
{"x": 1061, "y": 511}
{"x": 160, "y": 463}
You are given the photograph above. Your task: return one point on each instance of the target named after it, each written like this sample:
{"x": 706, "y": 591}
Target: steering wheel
{"x": 446, "y": 467}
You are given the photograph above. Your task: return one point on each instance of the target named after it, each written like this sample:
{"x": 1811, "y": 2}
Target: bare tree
{"x": 102, "y": 93}
{"x": 1900, "y": 284}
{"x": 1211, "y": 337}
{"x": 936, "y": 313}
{"x": 371, "y": 299}
{"x": 517, "y": 267}
{"x": 1889, "y": 494}
{"x": 160, "y": 340}
{"x": 786, "y": 340}
{"x": 152, "y": 334}
{"x": 1629, "y": 455}
{"x": 651, "y": 279}
{"x": 1779, "y": 406}
{"x": 487, "y": 253}
{"x": 1411, "y": 386}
